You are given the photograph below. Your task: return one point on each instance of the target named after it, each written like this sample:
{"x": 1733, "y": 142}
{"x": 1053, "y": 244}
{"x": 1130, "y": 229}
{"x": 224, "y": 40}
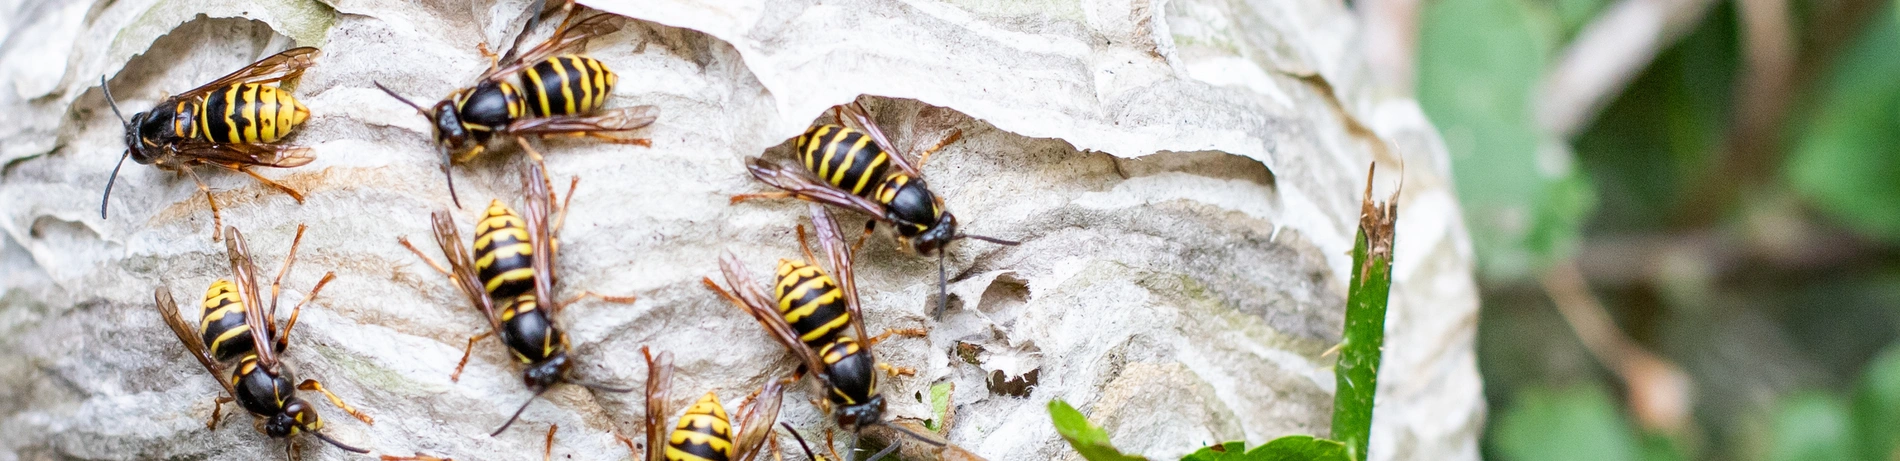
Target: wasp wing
{"x": 566, "y": 36}
{"x": 535, "y": 211}
{"x": 832, "y": 240}
{"x": 746, "y": 295}
{"x": 659, "y": 385}
{"x": 242, "y": 155}
{"x": 193, "y": 344}
{"x": 462, "y": 267}
{"x": 755, "y": 420}
{"x": 244, "y": 274}
{"x": 857, "y": 114}
{"x": 622, "y": 119}
{"x": 285, "y": 65}
{"x": 805, "y": 187}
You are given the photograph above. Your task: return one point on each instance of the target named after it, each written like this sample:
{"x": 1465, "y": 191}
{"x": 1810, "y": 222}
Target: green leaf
{"x": 1479, "y": 65}
{"x": 1087, "y": 439}
{"x": 1357, "y": 371}
{"x": 939, "y": 405}
{"x": 1579, "y": 423}
{"x": 1846, "y": 158}
{"x": 1289, "y": 448}
{"x": 1876, "y": 411}
{"x": 1811, "y": 427}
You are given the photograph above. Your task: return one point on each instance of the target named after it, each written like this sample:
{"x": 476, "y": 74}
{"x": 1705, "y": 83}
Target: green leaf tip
{"x": 1085, "y": 438}
{"x": 1357, "y": 371}
{"x": 1289, "y": 448}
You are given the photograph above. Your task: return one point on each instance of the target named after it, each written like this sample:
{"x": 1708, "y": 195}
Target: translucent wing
{"x": 659, "y": 384}
{"x": 746, "y": 295}
{"x": 462, "y": 267}
{"x": 863, "y": 119}
{"x": 535, "y": 210}
{"x": 270, "y": 155}
{"x": 839, "y": 252}
{"x": 755, "y": 419}
{"x": 622, "y": 119}
{"x": 189, "y": 336}
{"x": 569, "y": 34}
{"x": 285, "y": 65}
{"x": 805, "y": 187}
{"x": 244, "y": 273}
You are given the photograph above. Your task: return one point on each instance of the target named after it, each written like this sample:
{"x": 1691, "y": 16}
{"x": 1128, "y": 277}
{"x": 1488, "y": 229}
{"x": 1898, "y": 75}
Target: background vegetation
{"x": 1698, "y": 260}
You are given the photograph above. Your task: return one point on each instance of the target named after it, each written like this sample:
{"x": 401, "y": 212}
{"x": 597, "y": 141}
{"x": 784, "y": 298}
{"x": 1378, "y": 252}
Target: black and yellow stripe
{"x": 245, "y": 113}
{"x": 847, "y": 159}
{"x": 530, "y": 335}
{"x": 567, "y": 85}
{"x": 811, "y": 302}
{"x": 504, "y": 254}
{"x": 849, "y": 370}
{"x": 703, "y": 434}
{"x": 222, "y": 323}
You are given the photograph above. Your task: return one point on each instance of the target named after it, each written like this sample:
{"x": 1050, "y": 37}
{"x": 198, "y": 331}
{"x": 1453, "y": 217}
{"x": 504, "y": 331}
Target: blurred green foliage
{"x": 1764, "y": 261}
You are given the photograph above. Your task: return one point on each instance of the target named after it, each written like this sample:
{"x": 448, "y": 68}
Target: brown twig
{"x": 1606, "y": 55}
{"x": 1659, "y": 391}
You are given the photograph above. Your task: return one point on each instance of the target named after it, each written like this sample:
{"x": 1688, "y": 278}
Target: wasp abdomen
{"x": 222, "y": 322}
{"x": 845, "y": 158}
{"x": 704, "y": 433}
{"x": 504, "y": 258}
{"x": 567, "y": 85}
{"x": 811, "y": 302}
{"x": 247, "y": 113}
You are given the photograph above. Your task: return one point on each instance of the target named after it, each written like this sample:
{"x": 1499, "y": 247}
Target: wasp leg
{"x": 494, "y": 60}
{"x": 276, "y": 284}
{"x": 313, "y": 385}
{"x": 260, "y": 178}
{"x": 761, "y": 195}
{"x": 806, "y": 247}
{"x": 470, "y": 349}
{"x": 547, "y": 452}
{"x": 415, "y": 457}
{"x": 954, "y": 135}
{"x": 642, "y": 142}
{"x": 466, "y": 156}
{"x": 290, "y": 450}
{"x": 589, "y": 294}
{"x": 870, "y": 225}
{"x": 283, "y": 339}
{"x": 217, "y": 410}
{"x": 425, "y": 258}
{"x": 911, "y": 332}
{"x": 217, "y": 219}
{"x": 896, "y": 371}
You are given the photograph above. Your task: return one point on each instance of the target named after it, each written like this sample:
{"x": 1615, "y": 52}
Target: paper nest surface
{"x": 1184, "y": 176}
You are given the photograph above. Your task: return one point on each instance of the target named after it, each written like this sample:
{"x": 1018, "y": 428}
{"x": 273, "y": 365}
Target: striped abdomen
{"x": 258, "y": 390}
{"x": 567, "y": 85}
{"x": 222, "y": 324}
{"x": 850, "y": 370}
{"x": 528, "y": 331}
{"x": 847, "y": 159}
{"x": 504, "y": 255}
{"x": 244, "y": 113}
{"x": 811, "y": 302}
{"x": 703, "y": 434}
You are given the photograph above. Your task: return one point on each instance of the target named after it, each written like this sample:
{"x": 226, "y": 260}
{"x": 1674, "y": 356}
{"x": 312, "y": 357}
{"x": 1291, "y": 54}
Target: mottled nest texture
{"x": 1184, "y": 176}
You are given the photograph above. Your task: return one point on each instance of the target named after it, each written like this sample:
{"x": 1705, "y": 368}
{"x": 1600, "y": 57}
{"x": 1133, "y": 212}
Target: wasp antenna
{"x": 517, "y": 415}
{"x": 801, "y": 441}
{"x": 913, "y": 435}
{"x": 600, "y": 387}
{"x": 103, "y": 200}
{"x": 110, "y": 101}
{"x": 986, "y": 239}
{"x": 392, "y": 93}
{"x": 880, "y": 453}
{"x": 451, "y": 177}
{"x": 331, "y": 441}
{"x": 943, "y": 283}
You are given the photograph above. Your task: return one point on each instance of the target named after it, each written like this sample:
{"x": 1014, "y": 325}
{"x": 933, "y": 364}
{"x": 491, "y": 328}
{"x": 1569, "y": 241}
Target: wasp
{"x": 858, "y": 169}
{"x": 510, "y": 279}
{"x": 704, "y": 432}
{"x": 235, "y": 326}
{"x": 808, "y": 317}
{"x": 233, "y": 122}
{"x": 545, "y": 91}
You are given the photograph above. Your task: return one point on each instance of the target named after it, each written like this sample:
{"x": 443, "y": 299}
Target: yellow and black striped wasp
{"x": 513, "y": 268}
{"x": 239, "y": 327}
{"x": 859, "y": 169}
{"x": 545, "y": 91}
{"x": 808, "y": 316}
{"x": 705, "y": 433}
{"x": 233, "y": 122}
